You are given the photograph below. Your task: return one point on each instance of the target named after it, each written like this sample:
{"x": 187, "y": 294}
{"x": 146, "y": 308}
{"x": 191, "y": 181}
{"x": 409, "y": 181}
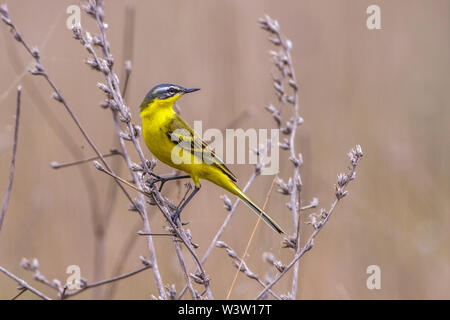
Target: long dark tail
{"x": 256, "y": 209}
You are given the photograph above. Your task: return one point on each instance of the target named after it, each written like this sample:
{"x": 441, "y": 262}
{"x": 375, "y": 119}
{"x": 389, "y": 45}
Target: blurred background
{"x": 384, "y": 89}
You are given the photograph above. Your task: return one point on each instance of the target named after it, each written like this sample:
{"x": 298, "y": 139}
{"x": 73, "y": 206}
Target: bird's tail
{"x": 256, "y": 209}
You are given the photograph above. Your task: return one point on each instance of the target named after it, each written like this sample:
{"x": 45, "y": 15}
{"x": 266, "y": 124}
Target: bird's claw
{"x": 175, "y": 216}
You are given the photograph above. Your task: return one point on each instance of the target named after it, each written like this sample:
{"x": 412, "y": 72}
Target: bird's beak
{"x": 190, "y": 90}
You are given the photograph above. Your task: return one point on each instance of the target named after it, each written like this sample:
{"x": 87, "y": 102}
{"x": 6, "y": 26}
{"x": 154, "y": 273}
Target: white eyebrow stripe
{"x": 160, "y": 90}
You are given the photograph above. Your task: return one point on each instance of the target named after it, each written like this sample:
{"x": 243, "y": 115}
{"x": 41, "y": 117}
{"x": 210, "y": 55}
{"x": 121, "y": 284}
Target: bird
{"x": 172, "y": 141}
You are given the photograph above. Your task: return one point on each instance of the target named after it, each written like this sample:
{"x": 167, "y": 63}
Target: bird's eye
{"x": 172, "y": 90}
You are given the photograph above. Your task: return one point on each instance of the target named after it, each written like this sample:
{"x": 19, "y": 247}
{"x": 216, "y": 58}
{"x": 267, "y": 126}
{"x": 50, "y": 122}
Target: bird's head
{"x": 165, "y": 92}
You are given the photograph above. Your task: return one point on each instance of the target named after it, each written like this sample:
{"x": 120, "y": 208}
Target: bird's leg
{"x": 177, "y": 213}
{"x": 165, "y": 179}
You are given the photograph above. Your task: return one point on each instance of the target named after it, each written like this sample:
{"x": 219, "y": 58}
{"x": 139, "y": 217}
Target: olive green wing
{"x": 178, "y": 131}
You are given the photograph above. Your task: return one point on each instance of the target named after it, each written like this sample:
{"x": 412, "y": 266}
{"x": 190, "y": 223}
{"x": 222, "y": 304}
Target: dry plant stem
{"x": 222, "y": 228}
{"x": 298, "y": 255}
{"x": 202, "y": 276}
{"x": 102, "y": 228}
{"x": 100, "y": 283}
{"x": 56, "y": 165}
{"x": 179, "y": 230}
{"x": 13, "y": 158}
{"x": 295, "y": 196}
{"x": 242, "y": 266}
{"x": 23, "y": 284}
{"x": 75, "y": 119}
{"x": 131, "y": 239}
{"x": 228, "y": 218}
{"x": 141, "y": 207}
{"x": 143, "y": 214}
{"x": 57, "y": 95}
{"x": 113, "y": 87}
{"x": 113, "y": 188}
{"x": 63, "y": 291}
{"x": 95, "y": 8}
{"x": 91, "y": 187}
{"x": 219, "y": 233}
{"x": 127, "y": 78}
{"x": 287, "y": 69}
{"x": 122, "y": 258}
{"x": 355, "y": 156}
{"x": 19, "y": 294}
{"x": 194, "y": 294}
{"x": 251, "y": 238}
{"x": 59, "y": 130}
{"x": 163, "y": 206}
{"x": 155, "y": 234}
{"x": 39, "y": 70}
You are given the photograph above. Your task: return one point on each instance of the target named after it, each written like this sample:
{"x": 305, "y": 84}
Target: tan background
{"x": 386, "y": 90}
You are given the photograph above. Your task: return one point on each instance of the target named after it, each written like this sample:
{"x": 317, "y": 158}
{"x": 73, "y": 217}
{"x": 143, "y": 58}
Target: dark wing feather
{"x": 197, "y": 145}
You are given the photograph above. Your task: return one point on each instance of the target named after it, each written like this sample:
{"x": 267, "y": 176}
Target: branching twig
{"x": 62, "y": 290}
{"x": 251, "y": 237}
{"x": 242, "y": 266}
{"x": 200, "y": 277}
{"x": 343, "y": 180}
{"x": 40, "y": 71}
{"x": 99, "y": 283}
{"x": 293, "y": 188}
{"x": 194, "y": 293}
{"x": 23, "y": 284}
{"x": 57, "y": 165}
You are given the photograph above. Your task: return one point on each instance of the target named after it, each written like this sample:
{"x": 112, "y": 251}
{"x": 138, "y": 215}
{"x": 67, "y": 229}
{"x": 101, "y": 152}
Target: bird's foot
{"x": 176, "y": 216}
{"x": 154, "y": 181}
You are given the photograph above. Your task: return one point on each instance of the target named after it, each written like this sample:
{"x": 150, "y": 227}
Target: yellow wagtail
{"x": 174, "y": 142}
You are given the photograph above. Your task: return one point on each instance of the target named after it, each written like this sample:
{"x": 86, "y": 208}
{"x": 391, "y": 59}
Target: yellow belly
{"x": 168, "y": 152}
{"x": 154, "y": 131}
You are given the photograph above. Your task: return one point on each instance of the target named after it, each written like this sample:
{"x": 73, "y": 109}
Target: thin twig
{"x": 179, "y": 230}
{"x": 127, "y": 78}
{"x": 251, "y": 238}
{"x": 23, "y": 284}
{"x": 22, "y": 291}
{"x": 194, "y": 294}
{"x": 57, "y": 165}
{"x": 154, "y": 234}
{"x": 122, "y": 258}
{"x": 13, "y": 158}
{"x": 99, "y": 283}
{"x": 242, "y": 266}
{"x": 223, "y": 226}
